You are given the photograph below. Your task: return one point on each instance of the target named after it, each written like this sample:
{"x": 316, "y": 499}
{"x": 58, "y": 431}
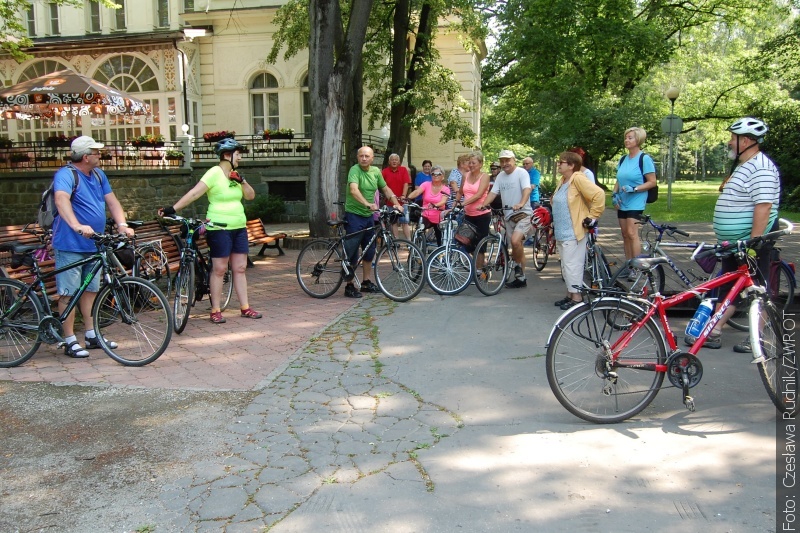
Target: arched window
{"x": 306, "y": 107}
{"x": 264, "y": 101}
{"x": 40, "y": 68}
{"x": 134, "y": 76}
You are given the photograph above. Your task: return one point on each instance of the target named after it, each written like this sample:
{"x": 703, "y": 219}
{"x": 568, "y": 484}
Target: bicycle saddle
{"x": 647, "y": 263}
{"x": 18, "y": 248}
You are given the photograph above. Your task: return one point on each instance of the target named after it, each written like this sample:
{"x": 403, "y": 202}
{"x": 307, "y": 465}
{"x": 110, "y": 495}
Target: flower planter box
{"x": 142, "y": 144}
{"x": 152, "y": 158}
{"x": 217, "y": 139}
{"x": 58, "y": 144}
{"x": 106, "y": 157}
{"x": 17, "y": 158}
{"x": 303, "y": 149}
{"x": 282, "y": 150}
{"x": 279, "y": 137}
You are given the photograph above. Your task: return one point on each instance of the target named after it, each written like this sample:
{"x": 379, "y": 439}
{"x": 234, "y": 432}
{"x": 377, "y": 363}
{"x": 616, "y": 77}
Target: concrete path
{"x": 436, "y": 416}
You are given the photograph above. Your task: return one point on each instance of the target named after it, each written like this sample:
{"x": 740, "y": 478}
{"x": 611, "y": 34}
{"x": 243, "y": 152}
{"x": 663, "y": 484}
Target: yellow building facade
{"x": 201, "y": 63}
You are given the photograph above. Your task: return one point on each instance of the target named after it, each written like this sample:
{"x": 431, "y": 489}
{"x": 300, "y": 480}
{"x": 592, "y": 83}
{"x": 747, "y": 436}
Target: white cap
{"x": 507, "y": 154}
{"x": 83, "y": 143}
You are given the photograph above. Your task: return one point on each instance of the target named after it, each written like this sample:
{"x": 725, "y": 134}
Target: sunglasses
{"x": 437, "y": 174}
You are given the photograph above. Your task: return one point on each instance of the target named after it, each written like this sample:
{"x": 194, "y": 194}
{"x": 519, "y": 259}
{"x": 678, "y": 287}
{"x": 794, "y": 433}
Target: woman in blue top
{"x": 630, "y": 191}
{"x": 425, "y": 175}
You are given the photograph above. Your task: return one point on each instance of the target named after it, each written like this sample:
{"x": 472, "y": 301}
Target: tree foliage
{"x": 567, "y": 73}
{"x": 13, "y": 33}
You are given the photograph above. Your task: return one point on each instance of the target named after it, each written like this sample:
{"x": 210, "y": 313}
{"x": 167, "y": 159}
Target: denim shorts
{"x": 68, "y": 282}
{"x": 224, "y": 242}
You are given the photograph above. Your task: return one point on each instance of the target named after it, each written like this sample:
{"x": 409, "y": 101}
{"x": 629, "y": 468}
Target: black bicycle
{"x": 322, "y": 264}
{"x": 194, "y": 273}
{"x": 131, "y": 311}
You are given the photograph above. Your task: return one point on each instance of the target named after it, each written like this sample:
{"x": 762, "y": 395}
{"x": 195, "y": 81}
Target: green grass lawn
{"x": 691, "y": 202}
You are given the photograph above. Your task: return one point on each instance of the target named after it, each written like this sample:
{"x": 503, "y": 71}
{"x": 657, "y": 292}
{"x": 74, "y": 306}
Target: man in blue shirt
{"x": 81, "y": 214}
{"x": 536, "y": 177}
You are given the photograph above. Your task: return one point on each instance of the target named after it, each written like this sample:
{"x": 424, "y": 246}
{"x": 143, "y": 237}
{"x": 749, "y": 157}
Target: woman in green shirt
{"x": 225, "y": 190}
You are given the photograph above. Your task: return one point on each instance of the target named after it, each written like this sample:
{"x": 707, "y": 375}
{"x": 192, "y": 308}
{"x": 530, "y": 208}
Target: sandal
{"x": 74, "y": 350}
{"x": 250, "y": 313}
{"x": 568, "y": 304}
{"x": 92, "y": 343}
{"x": 217, "y": 318}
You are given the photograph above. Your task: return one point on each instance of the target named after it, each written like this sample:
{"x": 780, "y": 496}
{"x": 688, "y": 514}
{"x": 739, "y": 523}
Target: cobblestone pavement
{"x": 329, "y": 416}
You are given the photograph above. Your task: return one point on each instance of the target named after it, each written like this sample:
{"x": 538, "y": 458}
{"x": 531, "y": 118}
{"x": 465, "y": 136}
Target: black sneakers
{"x": 517, "y": 283}
{"x": 351, "y": 292}
{"x": 369, "y": 287}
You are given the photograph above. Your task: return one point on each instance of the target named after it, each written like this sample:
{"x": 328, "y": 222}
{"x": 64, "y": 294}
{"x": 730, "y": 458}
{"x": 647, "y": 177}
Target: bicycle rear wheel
{"x": 541, "y": 248}
{"x": 448, "y": 270}
{"x": 582, "y": 375}
{"x": 781, "y": 294}
{"x": 184, "y": 295}
{"x": 19, "y": 331}
{"x": 141, "y": 325}
{"x": 778, "y": 369}
{"x": 491, "y": 276}
{"x": 152, "y": 264}
{"x": 399, "y": 270}
{"x": 319, "y": 268}
{"x": 596, "y": 274}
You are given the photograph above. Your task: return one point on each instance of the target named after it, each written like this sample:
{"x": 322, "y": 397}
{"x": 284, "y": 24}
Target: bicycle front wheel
{"x": 19, "y": 329}
{"x": 184, "y": 295}
{"x": 583, "y": 375}
{"x": 491, "y": 275}
{"x": 781, "y": 294}
{"x": 448, "y": 270}
{"x": 399, "y": 270}
{"x": 541, "y": 248}
{"x": 777, "y": 368}
{"x": 141, "y": 325}
{"x": 596, "y": 274}
{"x": 319, "y": 268}
{"x": 152, "y": 264}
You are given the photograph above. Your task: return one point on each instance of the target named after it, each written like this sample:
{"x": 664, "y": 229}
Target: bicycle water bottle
{"x": 700, "y": 318}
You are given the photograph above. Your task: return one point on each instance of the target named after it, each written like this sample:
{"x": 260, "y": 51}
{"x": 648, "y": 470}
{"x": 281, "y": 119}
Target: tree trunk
{"x": 333, "y": 57}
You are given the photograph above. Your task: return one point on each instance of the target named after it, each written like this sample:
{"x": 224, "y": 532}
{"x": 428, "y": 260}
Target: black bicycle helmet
{"x": 750, "y": 127}
{"x": 227, "y": 145}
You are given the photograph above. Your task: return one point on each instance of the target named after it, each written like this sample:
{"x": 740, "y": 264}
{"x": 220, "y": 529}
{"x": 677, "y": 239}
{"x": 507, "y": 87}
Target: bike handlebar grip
{"x": 679, "y": 232}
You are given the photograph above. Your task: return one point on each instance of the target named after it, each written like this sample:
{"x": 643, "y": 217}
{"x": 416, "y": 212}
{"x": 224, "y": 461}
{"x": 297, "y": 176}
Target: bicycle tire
{"x": 781, "y": 295}
{"x": 152, "y": 264}
{"x": 399, "y": 270}
{"x": 425, "y": 241}
{"x": 184, "y": 295}
{"x": 575, "y": 360}
{"x": 227, "y": 288}
{"x": 319, "y": 268}
{"x": 778, "y": 370}
{"x": 491, "y": 277}
{"x": 143, "y": 326}
{"x": 621, "y": 282}
{"x": 19, "y": 333}
{"x": 448, "y": 270}
{"x": 541, "y": 249}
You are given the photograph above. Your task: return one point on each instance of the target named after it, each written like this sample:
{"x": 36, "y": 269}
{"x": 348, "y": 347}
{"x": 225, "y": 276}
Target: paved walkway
{"x": 435, "y": 415}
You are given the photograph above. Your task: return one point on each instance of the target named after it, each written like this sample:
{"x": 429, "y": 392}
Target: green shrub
{"x": 268, "y": 208}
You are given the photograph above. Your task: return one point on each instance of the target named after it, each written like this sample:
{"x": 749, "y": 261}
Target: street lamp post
{"x": 671, "y": 125}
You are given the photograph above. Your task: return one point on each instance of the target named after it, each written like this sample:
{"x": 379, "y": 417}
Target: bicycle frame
{"x": 742, "y": 282}
{"x": 385, "y": 232}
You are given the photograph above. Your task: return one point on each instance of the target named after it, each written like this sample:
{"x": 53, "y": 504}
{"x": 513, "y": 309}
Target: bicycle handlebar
{"x": 194, "y": 221}
{"x": 668, "y": 228}
{"x": 727, "y": 248}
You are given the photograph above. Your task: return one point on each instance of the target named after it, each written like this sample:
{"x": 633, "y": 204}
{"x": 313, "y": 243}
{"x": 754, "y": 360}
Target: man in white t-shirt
{"x": 513, "y": 185}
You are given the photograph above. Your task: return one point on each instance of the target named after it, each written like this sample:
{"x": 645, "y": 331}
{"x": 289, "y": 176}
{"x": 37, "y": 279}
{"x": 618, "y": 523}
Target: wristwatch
{"x": 123, "y": 225}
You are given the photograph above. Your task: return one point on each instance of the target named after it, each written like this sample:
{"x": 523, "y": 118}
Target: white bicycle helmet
{"x": 752, "y": 127}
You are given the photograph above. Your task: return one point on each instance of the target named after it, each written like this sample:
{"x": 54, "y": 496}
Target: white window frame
{"x": 92, "y": 10}
{"x": 54, "y": 19}
{"x": 30, "y": 20}
{"x": 120, "y": 13}
{"x": 157, "y": 12}
{"x": 270, "y": 121}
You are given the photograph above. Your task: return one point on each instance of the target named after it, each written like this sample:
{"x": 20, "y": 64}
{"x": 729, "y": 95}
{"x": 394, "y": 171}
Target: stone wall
{"x": 141, "y": 192}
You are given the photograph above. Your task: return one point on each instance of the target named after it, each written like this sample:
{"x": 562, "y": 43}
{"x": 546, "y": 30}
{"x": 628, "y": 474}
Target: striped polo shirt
{"x": 755, "y": 181}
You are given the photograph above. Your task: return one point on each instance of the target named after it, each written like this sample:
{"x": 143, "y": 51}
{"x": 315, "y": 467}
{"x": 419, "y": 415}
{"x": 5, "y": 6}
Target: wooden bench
{"x": 256, "y": 234}
{"x": 14, "y": 234}
{"x": 24, "y": 275}
{"x": 154, "y": 230}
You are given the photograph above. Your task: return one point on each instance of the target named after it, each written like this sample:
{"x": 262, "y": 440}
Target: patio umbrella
{"x": 66, "y": 93}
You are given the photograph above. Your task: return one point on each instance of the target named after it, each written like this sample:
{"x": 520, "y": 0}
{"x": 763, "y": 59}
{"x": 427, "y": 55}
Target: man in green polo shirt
{"x": 363, "y": 181}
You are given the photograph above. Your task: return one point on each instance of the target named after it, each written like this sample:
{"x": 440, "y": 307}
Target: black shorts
{"x": 224, "y": 242}
{"x": 628, "y": 214}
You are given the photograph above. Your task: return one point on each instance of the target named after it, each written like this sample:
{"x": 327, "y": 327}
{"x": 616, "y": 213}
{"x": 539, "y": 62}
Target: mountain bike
{"x": 323, "y": 264}
{"x": 193, "y": 280}
{"x": 422, "y": 237}
{"x": 130, "y": 310}
{"x": 543, "y": 237}
{"x": 606, "y": 359}
{"x": 596, "y": 274}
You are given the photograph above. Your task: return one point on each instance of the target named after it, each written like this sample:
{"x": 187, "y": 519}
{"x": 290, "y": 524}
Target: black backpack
{"x": 652, "y": 194}
{"x": 47, "y": 206}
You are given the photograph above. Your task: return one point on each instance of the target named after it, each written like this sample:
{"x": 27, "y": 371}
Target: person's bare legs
{"x": 239, "y": 269}
{"x": 219, "y": 265}
{"x": 517, "y": 250}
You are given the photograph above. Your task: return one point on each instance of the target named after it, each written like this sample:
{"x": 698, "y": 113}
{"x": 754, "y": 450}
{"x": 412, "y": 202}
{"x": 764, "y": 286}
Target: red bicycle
{"x": 607, "y": 358}
{"x": 544, "y": 239}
